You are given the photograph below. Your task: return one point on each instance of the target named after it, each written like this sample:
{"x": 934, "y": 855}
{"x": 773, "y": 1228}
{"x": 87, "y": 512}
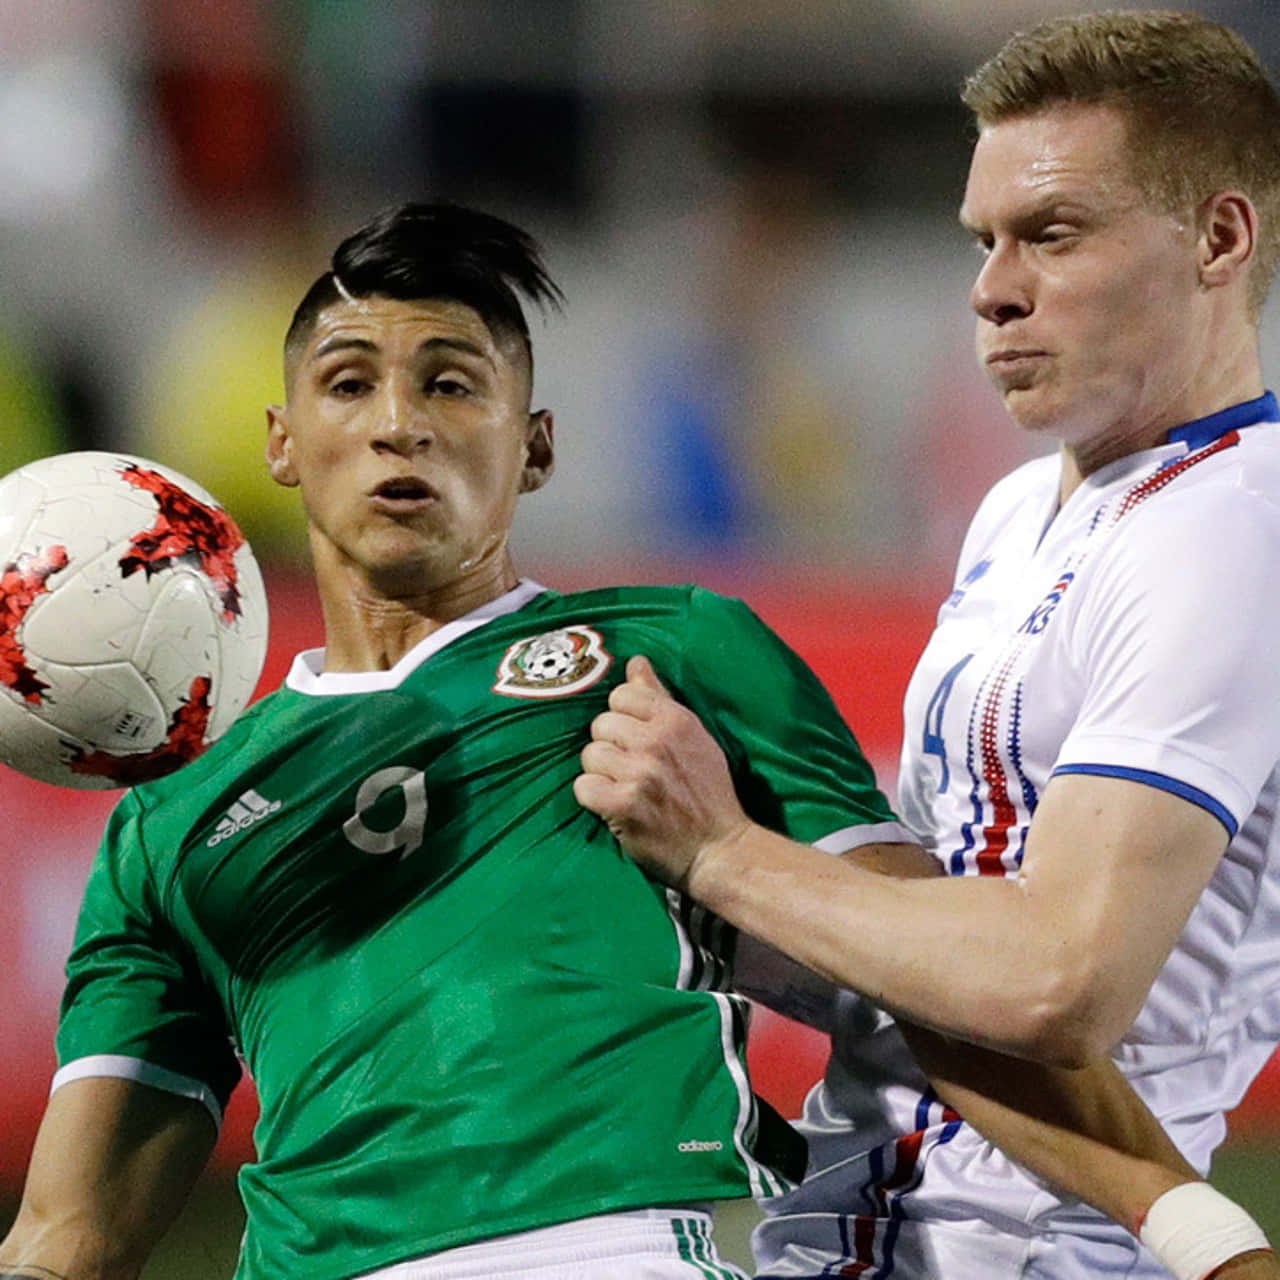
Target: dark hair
{"x": 1202, "y": 112}
{"x": 417, "y": 251}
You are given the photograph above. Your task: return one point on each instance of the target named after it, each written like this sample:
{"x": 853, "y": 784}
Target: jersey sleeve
{"x": 796, "y": 763}
{"x": 135, "y": 1005}
{"x": 1178, "y": 643}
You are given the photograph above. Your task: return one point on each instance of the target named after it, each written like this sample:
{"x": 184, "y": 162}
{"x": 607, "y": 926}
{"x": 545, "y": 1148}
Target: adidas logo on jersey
{"x": 250, "y": 808}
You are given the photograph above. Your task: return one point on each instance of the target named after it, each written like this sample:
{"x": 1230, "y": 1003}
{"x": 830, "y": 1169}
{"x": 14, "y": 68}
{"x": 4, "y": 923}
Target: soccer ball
{"x": 133, "y": 620}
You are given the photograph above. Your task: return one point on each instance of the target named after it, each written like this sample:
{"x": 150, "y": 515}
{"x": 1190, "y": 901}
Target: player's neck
{"x": 1226, "y": 371}
{"x": 1081, "y": 460}
{"x": 368, "y": 630}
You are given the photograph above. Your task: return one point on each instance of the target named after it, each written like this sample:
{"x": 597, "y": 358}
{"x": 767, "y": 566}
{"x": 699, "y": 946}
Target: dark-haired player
{"x": 483, "y": 1041}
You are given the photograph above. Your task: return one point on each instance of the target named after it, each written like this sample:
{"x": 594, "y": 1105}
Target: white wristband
{"x": 1194, "y": 1229}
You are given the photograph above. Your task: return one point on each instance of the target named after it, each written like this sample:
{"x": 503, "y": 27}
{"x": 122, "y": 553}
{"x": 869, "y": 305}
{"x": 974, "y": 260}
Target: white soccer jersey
{"x": 1134, "y": 633}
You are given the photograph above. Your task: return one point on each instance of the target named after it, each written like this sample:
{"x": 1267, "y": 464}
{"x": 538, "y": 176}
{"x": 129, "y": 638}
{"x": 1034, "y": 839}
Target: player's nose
{"x": 1002, "y": 289}
{"x": 399, "y": 425}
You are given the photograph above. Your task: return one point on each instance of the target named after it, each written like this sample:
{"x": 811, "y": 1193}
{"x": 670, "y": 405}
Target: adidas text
{"x": 694, "y": 1145}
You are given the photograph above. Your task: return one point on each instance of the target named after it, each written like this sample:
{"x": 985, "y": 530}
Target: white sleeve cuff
{"x": 120, "y": 1067}
{"x": 868, "y": 833}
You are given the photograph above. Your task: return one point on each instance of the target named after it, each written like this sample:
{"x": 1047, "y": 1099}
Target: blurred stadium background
{"x": 763, "y": 379}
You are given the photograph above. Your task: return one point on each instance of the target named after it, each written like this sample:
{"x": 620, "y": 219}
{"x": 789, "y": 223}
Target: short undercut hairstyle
{"x": 419, "y": 252}
{"x": 1202, "y": 111}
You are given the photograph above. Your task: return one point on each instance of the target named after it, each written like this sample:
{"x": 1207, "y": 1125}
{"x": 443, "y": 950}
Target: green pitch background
{"x": 202, "y": 1245}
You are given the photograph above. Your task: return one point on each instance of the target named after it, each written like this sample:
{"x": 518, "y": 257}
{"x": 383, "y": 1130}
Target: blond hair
{"x": 1203, "y": 114}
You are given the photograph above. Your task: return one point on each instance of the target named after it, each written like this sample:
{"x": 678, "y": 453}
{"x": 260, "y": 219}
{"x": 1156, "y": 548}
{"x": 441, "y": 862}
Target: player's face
{"x": 1086, "y": 298}
{"x": 408, "y": 430}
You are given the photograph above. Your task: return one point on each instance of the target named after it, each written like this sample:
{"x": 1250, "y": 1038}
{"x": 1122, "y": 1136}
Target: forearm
{"x": 1084, "y": 1131}
{"x": 1259, "y": 1264}
{"x": 1044, "y": 965}
{"x": 113, "y": 1163}
{"x": 1088, "y": 1135}
{"x": 847, "y": 923}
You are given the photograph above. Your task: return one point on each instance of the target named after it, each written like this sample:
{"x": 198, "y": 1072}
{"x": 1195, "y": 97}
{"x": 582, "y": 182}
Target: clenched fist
{"x": 658, "y": 778}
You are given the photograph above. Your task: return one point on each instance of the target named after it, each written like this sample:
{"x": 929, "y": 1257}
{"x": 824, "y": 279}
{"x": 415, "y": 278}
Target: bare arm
{"x": 1258, "y": 1264}
{"x": 113, "y": 1164}
{"x": 1053, "y": 968}
{"x": 1084, "y": 1131}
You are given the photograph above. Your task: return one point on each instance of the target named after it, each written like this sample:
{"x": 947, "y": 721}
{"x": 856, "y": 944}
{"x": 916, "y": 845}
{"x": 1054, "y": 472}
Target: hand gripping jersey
{"x": 1134, "y": 633}
{"x": 466, "y": 1013}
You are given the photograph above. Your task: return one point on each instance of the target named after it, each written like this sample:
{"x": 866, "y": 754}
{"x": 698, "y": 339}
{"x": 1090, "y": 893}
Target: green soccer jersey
{"x": 465, "y": 1011}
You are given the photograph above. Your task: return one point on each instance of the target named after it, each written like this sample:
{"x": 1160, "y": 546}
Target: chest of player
{"x": 1043, "y": 592}
{"x": 342, "y": 811}
{"x": 1006, "y": 671}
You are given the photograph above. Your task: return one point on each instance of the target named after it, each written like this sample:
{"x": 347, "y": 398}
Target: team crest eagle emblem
{"x": 553, "y": 664}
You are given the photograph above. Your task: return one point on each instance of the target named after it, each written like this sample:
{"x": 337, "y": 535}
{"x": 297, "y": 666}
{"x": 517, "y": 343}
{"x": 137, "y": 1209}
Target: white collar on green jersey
{"x": 307, "y": 674}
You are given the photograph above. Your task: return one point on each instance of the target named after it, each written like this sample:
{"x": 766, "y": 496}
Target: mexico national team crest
{"x": 553, "y": 664}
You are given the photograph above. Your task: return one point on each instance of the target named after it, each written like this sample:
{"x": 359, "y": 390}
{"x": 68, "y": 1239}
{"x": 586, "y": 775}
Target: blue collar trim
{"x": 1195, "y": 435}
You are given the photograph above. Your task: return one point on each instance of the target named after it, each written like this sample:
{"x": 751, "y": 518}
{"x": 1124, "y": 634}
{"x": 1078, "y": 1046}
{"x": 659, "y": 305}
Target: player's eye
{"x": 1056, "y": 233}
{"x": 447, "y": 386}
{"x": 347, "y": 386}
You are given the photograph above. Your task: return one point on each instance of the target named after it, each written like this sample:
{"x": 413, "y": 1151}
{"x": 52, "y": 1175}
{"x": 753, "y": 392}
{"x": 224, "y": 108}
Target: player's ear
{"x": 1228, "y": 227}
{"x": 280, "y": 447}
{"x": 539, "y": 451}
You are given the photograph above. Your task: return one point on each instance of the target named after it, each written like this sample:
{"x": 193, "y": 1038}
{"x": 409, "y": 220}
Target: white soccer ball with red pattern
{"x": 133, "y": 620}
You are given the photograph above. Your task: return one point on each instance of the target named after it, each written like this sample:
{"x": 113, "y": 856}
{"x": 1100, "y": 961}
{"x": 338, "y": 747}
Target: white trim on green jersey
{"x": 307, "y": 674}
{"x": 703, "y": 942}
{"x": 849, "y": 838}
{"x": 118, "y": 1066}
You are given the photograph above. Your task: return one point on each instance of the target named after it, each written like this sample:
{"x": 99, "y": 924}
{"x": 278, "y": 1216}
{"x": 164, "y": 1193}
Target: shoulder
{"x": 619, "y": 601}
{"x": 1226, "y": 509}
{"x": 697, "y": 637}
{"x": 655, "y": 608}
{"x": 1196, "y": 558}
{"x": 679, "y": 620}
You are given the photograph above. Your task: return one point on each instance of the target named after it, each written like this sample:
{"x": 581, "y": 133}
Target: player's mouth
{"x": 1013, "y": 355}
{"x": 403, "y": 493}
{"x": 1014, "y": 367}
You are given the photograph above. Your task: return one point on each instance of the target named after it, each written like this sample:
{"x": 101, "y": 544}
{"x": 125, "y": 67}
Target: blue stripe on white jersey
{"x": 1163, "y": 783}
{"x": 1202, "y": 431}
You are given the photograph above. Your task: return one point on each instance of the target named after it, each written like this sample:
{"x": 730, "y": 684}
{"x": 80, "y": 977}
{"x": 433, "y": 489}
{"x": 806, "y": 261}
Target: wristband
{"x": 1194, "y": 1229}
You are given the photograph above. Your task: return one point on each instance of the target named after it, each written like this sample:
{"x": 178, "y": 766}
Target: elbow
{"x": 1060, "y": 1041}
{"x": 39, "y": 1240}
{"x": 1073, "y": 1017}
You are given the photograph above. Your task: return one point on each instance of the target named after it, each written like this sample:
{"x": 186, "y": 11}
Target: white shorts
{"x": 810, "y": 1246}
{"x": 643, "y": 1244}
